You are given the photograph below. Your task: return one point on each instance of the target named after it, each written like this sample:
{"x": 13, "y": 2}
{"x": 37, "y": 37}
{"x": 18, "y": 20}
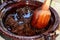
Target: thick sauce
{"x": 18, "y": 21}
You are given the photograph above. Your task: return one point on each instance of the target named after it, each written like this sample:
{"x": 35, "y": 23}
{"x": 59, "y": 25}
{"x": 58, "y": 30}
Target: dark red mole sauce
{"x": 18, "y": 19}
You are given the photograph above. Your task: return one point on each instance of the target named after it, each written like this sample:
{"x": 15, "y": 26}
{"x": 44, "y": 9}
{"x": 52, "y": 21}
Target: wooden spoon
{"x": 41, "y": 16}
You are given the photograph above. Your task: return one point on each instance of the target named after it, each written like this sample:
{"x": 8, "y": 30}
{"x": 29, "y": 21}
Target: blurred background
{"x": 55, "y": 4}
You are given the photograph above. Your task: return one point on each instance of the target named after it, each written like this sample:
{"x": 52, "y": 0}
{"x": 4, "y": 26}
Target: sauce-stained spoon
{"x": 41, "y": 16}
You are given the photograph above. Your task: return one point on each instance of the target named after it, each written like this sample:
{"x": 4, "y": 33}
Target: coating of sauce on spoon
{"x": 41, "y": 17}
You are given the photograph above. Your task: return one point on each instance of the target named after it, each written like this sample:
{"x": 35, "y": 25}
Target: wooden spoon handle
{"x": 46, "y": 5}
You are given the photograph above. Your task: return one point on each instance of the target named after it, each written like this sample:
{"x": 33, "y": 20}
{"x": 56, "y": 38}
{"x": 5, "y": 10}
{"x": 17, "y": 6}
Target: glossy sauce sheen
{"x": 18, "y": 19}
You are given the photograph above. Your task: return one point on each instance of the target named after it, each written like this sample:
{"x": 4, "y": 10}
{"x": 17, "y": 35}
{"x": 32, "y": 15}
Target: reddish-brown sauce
{"x": 18, "y": 21}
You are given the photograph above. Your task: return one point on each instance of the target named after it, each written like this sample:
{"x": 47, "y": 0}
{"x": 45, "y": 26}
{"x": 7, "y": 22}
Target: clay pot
{"x": 12, "y": 6}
